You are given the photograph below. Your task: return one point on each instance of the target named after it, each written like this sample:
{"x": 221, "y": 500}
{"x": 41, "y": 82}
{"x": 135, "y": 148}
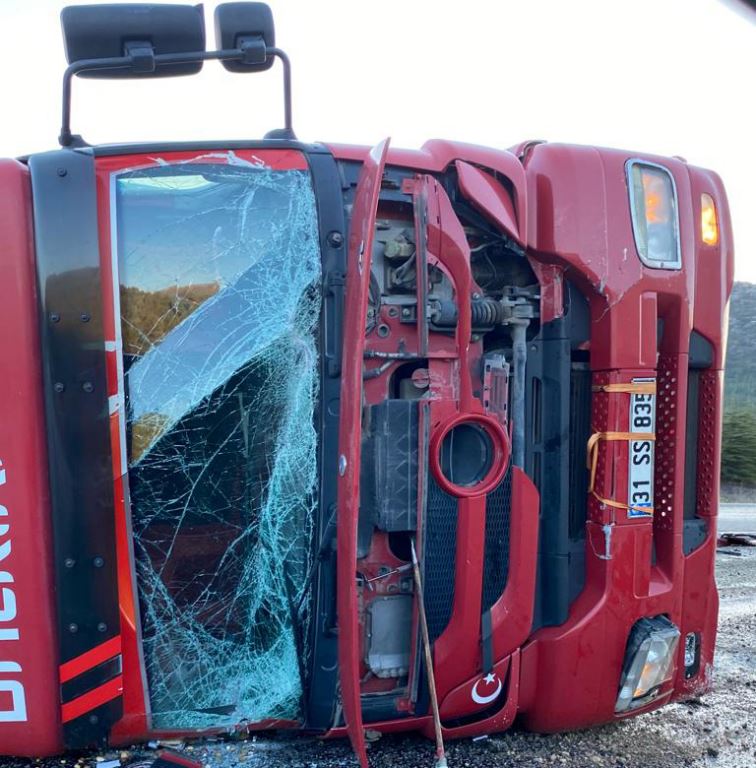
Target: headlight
{"x": 653, "y": 205}
{"x": 649, "y": 662}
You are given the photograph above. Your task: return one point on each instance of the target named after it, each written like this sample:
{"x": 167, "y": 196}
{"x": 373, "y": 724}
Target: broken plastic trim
{"x": 219, "y": 270}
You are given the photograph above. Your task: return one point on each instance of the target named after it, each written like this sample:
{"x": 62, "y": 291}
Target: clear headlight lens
{"x": 649, "y": 662}
{"x": 653, "y": 204}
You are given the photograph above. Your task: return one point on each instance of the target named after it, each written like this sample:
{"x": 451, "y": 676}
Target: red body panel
{"x": 360, "y": 250}
{"x": 576, "y": 224}
{"x": 583, "y": 190}
{"x": 488, "y": 196}
{"x": 134, "y": 721}
{"x": 436, "y": 155}
{"x": 29, "y": 699}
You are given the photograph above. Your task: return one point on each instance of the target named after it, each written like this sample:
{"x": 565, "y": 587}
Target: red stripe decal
{"x": 111, "y": 371}
{"x": 92, "y": 699}
{"x": 115, "y": 445}
{"x": 90, "y": 659}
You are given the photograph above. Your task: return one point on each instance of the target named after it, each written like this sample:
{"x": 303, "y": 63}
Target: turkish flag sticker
{"x": 486, "y": 689}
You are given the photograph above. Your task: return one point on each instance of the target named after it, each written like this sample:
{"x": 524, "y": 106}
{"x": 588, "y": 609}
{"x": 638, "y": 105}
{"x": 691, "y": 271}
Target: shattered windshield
{"x": 219, "y": 272}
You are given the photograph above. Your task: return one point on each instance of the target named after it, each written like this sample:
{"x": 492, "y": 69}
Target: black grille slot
{"x": 699, "y": 418}
{"x": 496, "y": 563}
{"x": 691, "y": 444}
{"x": 580, "y": 429}
{"x": 439, "y": 558}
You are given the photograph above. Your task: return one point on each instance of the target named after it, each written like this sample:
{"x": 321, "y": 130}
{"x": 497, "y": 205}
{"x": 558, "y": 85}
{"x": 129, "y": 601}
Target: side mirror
{"x": 247, "y": 27}
{"x": 149, "y": 40}
{"x": 141, "y": 30}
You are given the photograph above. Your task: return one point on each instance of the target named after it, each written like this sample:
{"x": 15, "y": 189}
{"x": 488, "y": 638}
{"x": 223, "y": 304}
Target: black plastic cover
{"x": 701, "y": 351}
{"x": 389, "y": 467}
{"x": 78, "y": 425}
{"x": 104, "y": 31}
{"x": 547, "y": 462}
{"x": 241, "y": 25}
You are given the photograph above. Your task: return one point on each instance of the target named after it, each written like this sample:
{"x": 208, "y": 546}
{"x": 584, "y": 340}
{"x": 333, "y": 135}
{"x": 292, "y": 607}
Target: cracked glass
{"x": 219, "y": 272}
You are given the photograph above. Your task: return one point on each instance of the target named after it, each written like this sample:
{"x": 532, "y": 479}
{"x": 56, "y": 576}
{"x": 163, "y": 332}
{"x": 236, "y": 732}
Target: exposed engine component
{"x": 400, "y": 247}
{"x": 486, "y": 311}
{"x": 519, "y": 361}
{"x": 496, "y": 385}
{"x": 414, "y": 297}
{"x": 389, "y": 632}
{"x": 395, "y": 250}
{"x": 389, "y": 466}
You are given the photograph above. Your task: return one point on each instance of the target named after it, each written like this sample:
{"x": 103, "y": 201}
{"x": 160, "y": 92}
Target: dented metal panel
{"x": 358, "y": 277}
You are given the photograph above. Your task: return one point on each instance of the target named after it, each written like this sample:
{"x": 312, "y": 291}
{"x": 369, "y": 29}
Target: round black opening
{"x": 467, "y": 454}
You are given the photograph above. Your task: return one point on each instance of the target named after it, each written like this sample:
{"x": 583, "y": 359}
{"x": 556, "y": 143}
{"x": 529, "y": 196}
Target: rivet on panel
{"x": 335, "y": 239}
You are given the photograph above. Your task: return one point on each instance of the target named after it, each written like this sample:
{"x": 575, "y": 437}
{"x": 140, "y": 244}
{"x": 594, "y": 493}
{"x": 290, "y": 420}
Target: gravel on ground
{"x": 715, "y": 731}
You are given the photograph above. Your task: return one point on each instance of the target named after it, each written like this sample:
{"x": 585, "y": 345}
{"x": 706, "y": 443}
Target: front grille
{"x": 666, "y": 468}
{"x": 708, "y": 460}
{"x": 439, "y": 558}
{"x": 580, "y": 430}
{"x": 496, "y": 563}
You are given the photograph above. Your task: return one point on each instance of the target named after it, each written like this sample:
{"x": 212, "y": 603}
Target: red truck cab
{"x": 242, "y": 380}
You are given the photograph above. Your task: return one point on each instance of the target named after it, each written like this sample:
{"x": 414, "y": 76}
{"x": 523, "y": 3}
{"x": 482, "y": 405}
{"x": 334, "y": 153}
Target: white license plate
{"x": 640, "y": 494}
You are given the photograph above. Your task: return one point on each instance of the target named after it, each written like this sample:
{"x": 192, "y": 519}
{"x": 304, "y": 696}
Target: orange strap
{"x": 593, "y": 445}
{"x": 631, "y": 387}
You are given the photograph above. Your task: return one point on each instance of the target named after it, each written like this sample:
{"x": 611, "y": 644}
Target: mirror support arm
{"x": 67, "y": 139}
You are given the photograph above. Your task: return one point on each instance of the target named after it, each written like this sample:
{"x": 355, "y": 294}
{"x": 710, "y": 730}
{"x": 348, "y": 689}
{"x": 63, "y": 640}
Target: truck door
{"x": 361, "y": 233}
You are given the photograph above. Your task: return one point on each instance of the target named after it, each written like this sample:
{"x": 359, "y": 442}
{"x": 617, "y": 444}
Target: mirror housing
{"x": 249, "y": 27}
{"x": 149, "y": 40}
{"x": 141, "y": 30}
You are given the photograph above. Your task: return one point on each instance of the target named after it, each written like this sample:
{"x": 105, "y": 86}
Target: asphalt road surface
{"x": 737, "y": 518}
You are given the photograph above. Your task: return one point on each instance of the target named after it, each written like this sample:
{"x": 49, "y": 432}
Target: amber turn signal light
{"x": 709, "y": 225}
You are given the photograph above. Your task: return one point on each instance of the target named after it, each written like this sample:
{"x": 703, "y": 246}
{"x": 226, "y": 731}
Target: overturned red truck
{"x": 242, "y": 381}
